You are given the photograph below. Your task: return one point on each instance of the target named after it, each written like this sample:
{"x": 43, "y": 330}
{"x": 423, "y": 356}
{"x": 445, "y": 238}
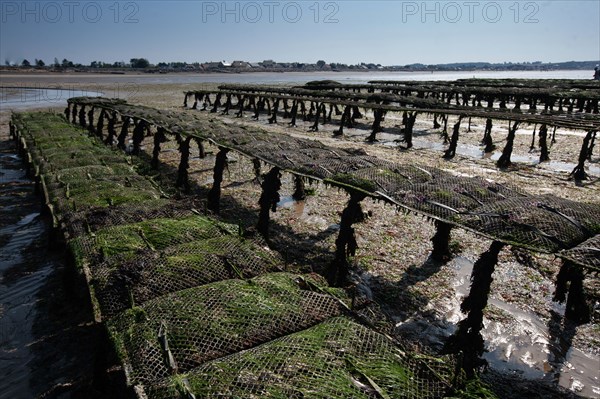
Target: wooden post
{"x": 578, "y": 172}
{"x": 182, "y": 171}
{"x": 257, "y": 169}
{"x": 112, "y": 120}
{"x": 273, "y": 118}
{"x": 74, "y": 114}
{"x": 294, "y": 112}
{"x": 441, "y": 242}
{"x": 286, "y": 113}
{"x": 445, "y": 130}
{"x": 82, "y": 116}
{"x": 315, "y": 126}
{"x": 504, "y": 160}
{"x": 408, "y": 129}
{"x": 100, "y": 123}
{"x": 468, "y": 337}
{"x": 356, "y": 113}
{"x": 124, "y": 131}
{"x": 159, "y": 138}
{"x": 216, "y": 104}
{"x": 299, "y": 192}
{"x": 227, "y": 105}
{"x": 543, "y": 134}
{"x": 345, "y": 118}
{"x": 214, "y": 195}
{"x": 532, "y": 145}
{"x": 268, "y": 200}
{"x": 240, "y": 104}
{"x": 90, "y": 121}
{"x": 376, "y": 128}
{"x": 345, "y": 244}
{"x": 487, "y": 137}
{"x": 451, "y": 151}
{"x": 591, "y": 147}
{"x": 436, "y": 124}
{"x": 138, "y": 136}
{"x": 201, "y": 151}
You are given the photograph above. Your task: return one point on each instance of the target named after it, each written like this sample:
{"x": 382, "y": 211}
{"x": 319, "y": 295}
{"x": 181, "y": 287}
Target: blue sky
{"x": 347, "y": 31}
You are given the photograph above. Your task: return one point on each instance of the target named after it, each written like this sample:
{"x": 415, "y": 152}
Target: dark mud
{"x": 49, "y": 345}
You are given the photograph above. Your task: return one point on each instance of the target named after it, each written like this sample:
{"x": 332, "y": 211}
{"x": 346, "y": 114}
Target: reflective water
{"x": 474, "y": 151}
{"x": 126, "y": 83}
{"x": 527, "y": 345}
{"x": 20, "y": 98}
{"x": 20, "y": 279}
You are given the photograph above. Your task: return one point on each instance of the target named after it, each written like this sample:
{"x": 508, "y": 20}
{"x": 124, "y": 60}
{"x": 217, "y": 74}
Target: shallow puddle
{"x": 46, "y": 340}
{"x": 20, "y": 98}
{"x": 477, "y": 152}
{"x": 298, "y": 208}
{"x": 528, "y": 346}
{"x": 20, "y": 280}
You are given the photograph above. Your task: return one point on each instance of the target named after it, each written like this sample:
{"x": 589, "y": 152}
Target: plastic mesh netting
{"x": 211, "y": 321}
{"x": 78, "y": 172}
{"x": 400, "y": 102}
{"x": 335, "y": 359}
{"x": 541, "y": 221}
{"x": 586, "y": 253}
{"x": 184, "y": 293}
{"x": 155, "y": 235}
{"x": 496, "y": 211}
{"x": 80, "y": 193}
{"x": 79, "y": 222}
{"x": 192, "y": 307}
{"x": 120, "y": 283}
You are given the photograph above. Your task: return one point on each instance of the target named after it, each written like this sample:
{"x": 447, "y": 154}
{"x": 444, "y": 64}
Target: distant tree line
{"x": 140, "y": 63}
{"x": 144, "y": 64}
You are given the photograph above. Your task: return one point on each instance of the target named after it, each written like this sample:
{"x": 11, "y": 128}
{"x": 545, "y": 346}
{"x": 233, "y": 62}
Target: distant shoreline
{"x": 117, "y": 85}
{"x": 7, "y": 71}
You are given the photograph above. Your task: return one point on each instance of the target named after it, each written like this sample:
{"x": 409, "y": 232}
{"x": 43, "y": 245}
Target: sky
{"x": 345, "y": 31}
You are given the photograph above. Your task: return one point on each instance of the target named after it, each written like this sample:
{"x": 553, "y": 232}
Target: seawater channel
{"x": 23, "y": 98}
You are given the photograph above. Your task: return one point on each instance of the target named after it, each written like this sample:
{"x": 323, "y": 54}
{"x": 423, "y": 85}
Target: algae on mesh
{"x": 328, "y": 360}
{"x": 153, "y": 234}
{"x": 227, "y": 316}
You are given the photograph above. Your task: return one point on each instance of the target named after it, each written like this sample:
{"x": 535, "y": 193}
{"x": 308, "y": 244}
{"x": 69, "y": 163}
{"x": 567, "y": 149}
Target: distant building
{"x": 256, "y": 65}
{"x": 268, "y": 63}
{"x": 213, "y": 65}
{"x": 239, "y": 64}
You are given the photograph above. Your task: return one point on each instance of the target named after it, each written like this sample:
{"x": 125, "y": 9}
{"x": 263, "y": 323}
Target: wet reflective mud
{"x": 49, "y": 344}
{"x": 538, "y": 354}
